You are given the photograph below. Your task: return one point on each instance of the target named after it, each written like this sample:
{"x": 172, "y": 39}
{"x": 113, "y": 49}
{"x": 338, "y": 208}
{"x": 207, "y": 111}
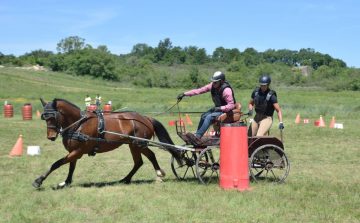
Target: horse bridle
{"x": 50, "y": 113}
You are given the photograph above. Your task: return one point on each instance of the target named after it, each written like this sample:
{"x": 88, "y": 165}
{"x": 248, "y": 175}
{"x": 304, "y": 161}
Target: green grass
{"x": 323, "y": 185}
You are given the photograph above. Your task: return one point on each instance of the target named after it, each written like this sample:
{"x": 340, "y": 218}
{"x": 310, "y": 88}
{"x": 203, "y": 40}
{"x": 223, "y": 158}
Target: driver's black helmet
{"x": 264, "y": 80}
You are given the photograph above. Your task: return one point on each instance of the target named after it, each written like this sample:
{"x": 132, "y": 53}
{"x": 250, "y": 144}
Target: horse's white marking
{"x": 63, "y": 184}
{"x": 160, "y": 173}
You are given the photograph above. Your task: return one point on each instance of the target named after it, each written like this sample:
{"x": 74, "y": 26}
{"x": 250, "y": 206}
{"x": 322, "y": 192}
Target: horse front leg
{"x": 71, "y": 157}
{"x": 68, "y": 180}
{"x": 38, "y": 181}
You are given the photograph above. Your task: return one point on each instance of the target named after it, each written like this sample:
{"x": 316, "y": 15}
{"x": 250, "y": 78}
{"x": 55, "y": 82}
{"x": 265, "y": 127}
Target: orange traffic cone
{"x": 188, "y": 120}
{"x": 18, "y": 147}
{"x": 38, "y": 114}
{"x": 321, "y": 122}
{"x": 297, "y": 119}
{"x": 332, "y": 123}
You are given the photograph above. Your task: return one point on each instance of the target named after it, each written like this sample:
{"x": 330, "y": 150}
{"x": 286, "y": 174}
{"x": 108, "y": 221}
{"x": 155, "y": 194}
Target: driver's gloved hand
{"x": 180, "y": 96}
{"x": 281, "y": 126}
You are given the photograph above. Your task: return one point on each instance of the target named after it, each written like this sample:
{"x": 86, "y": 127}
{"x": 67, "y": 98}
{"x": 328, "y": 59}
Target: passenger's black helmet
{"x": 264, "y": 79}
{"x": 218, "y": 75}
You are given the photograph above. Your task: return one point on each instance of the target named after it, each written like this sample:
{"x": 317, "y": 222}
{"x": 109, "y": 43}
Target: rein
{"x": 160, "y": 113}
{"x": 83, "y": 117}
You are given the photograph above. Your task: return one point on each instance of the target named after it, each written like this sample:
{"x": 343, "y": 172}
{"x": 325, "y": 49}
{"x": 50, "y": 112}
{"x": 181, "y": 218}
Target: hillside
{"x": 19, "y": 86}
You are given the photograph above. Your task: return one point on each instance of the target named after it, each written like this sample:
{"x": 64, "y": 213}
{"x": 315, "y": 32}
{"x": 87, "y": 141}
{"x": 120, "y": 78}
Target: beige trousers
{"x": 262, "y": 128}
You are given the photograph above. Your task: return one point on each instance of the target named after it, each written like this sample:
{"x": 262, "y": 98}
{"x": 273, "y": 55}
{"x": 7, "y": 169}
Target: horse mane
{"x": 66, "y": 101}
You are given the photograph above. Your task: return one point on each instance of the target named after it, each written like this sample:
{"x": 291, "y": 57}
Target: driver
{"x": 224, "y": 100}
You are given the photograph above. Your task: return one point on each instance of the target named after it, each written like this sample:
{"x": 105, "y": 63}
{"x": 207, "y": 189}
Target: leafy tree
{"x": 142, "y": 50}
{"x": 200, "y": 56}
{"x": 163, "y": 48}
{"x": 195, "y": 55}
{"x": 40, "y": 57}
{"x": 10, "y": 60}
{"x": 70, "y": 44}
{"x": 219, "y": 54}
{"x": 103, "y": 48}
{"x": 250, "y": 57}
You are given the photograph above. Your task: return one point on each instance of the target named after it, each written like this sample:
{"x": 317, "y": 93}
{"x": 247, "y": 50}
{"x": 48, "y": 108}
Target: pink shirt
{"x": 227, "y": 95}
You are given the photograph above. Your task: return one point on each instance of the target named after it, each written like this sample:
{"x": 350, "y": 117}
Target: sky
{"x": 327, "y": 26}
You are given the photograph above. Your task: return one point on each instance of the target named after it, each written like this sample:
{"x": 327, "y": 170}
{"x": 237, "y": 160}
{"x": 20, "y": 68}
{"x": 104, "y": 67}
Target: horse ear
{"x": 43, "y": 102}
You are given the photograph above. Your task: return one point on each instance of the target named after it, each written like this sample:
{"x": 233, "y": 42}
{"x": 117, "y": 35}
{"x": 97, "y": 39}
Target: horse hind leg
{"x": 151, "y": 156}
{"x": 138, "y": 162}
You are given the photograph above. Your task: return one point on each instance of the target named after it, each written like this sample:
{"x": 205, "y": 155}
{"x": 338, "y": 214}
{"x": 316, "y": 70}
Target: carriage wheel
{"x": 208, "y": 165}
{"x": 187, "y": 167}
{"x": 269, "y": 162}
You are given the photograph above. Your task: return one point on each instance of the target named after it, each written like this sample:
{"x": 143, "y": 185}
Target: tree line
{"x": 172, "y": 66}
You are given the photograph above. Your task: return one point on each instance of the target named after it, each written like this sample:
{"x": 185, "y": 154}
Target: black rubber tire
{"x": 269, "y": 162}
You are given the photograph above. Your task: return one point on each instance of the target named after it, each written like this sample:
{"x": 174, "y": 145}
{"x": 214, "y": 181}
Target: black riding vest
{"x": 217, "y": 94}
{"x": 262, "y": 104}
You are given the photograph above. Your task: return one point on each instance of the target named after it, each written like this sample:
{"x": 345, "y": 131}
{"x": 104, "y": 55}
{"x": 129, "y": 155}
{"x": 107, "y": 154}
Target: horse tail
{"x": 164, "y": 137}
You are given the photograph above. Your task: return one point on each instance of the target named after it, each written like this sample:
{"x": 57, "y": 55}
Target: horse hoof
{"x": 36, "y": 184}
{"x": 62, "y": 185}
{"x": 125, "y": 181}
{"x": 160, "y": 173}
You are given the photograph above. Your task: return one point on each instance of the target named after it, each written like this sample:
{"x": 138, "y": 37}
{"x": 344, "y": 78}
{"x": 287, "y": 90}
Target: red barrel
{"x": 92, "y": 107}
{"x": 234, "y": 169}
{"x": 8, "y": 111}
{"x": 107, "y": 108}
{"x": 27, "y": 112}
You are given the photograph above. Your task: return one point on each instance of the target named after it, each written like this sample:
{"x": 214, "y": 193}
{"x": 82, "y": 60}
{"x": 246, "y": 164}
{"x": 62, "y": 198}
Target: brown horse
{"x": 87, "y": 132}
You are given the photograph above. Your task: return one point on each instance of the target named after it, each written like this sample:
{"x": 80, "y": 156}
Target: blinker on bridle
{"x": 50, "y": 113}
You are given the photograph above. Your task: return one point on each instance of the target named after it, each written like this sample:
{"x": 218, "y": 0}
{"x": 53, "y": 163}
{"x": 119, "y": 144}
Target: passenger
{"x": 224, "y": 100}
{"x": 87, "y": 101}
{"x": 98, "y": 100}
{"x": 265, "y": 101}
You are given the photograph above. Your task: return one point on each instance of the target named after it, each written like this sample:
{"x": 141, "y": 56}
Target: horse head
{"x": 51, "y": 117}
{"x": 59, "y": 115}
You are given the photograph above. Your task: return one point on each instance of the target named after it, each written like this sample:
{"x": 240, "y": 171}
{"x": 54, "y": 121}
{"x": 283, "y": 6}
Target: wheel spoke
{"x": 260, "y": 172}
{"x": 181, "y": 171}
{"x": 274, "y": 175}
{"x": 185, "y": 172}
{"x": 208, "y": 163}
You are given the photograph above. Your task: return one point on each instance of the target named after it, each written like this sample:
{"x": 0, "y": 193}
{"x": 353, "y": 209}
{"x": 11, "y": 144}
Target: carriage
{"x": 91, "y": 132}
{"x": 267, "y": 159}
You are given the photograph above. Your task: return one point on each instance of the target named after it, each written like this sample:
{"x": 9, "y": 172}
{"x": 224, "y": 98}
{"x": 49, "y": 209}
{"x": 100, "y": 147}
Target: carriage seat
{"x": 231, "y": 116}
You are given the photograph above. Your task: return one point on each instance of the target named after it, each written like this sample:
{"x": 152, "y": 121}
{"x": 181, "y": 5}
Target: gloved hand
{"x": 281, "y": 126}
{"x": 216, "y": 109}
{"x": 180, "y": 96}
{"x": 250, "y": 112}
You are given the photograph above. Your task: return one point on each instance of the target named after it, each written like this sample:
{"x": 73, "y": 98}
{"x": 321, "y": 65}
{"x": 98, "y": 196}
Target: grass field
{"x": 323, "y": 185}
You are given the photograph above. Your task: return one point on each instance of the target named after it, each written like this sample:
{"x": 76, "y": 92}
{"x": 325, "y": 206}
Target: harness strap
{"x": 101, "y": 123}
